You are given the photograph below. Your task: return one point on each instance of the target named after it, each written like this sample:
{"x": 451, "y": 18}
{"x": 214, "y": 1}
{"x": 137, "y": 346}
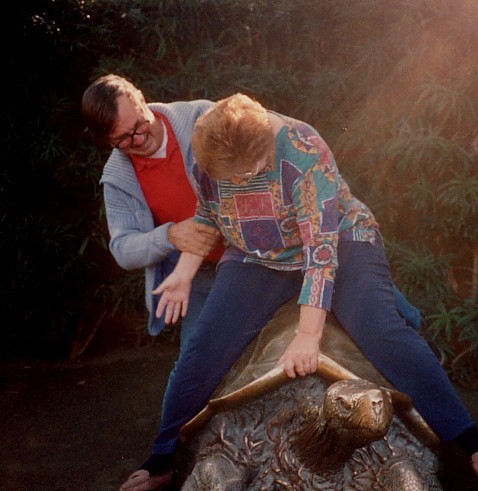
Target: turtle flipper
{"x": 217, "y": 472}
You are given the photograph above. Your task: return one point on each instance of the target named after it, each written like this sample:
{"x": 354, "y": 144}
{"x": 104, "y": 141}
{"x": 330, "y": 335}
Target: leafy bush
{"x": 390, "y": 85}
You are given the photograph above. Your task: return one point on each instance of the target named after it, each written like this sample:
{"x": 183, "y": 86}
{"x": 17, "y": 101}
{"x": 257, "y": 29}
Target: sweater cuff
{"x": 161, "y": 238}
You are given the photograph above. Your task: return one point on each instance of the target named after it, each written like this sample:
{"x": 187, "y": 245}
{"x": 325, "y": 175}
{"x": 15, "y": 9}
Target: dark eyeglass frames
{"x": 126, "y": 140}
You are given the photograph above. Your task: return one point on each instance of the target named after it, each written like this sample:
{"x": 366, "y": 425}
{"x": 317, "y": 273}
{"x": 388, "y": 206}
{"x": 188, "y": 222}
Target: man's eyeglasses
{"x": 126, "y": 140}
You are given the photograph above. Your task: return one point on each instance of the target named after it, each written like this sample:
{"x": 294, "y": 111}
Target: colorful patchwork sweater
{"x": 290, "y": 216}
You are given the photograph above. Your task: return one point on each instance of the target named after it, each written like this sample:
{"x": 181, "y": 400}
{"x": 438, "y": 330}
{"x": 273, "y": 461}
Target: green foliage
{"x": 411, "y": 147}
{"x": 422, "y": 274}
{"x": 455, "y": 331}
{"x": 390, "y": 85}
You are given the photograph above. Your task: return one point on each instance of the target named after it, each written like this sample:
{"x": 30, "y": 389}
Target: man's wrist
{"x": 170, "y": 232}
{"x": 161, "y": 238}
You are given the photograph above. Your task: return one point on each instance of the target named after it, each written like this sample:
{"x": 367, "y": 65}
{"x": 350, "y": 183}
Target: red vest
{"x": 166, "y": 187}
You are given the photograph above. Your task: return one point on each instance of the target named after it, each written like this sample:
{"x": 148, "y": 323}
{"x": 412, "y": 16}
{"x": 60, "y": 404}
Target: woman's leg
{"x": 364, "y": 304}
{"x": 243, "y": 299}
{"x": 200, "y": 289}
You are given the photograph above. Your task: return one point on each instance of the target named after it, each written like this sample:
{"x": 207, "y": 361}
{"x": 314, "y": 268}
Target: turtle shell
{"x": 244, "y": 438}
{"x": 255, "y": 372}
{"x": 268, "y": 346}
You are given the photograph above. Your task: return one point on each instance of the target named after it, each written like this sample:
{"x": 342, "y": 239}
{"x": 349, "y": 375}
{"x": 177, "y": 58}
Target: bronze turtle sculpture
{"x": 344, "y": 428}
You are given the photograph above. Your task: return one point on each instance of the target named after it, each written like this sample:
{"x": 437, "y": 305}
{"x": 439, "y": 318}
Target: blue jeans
{"x": 244, "y": 298}
{"x": 200, "y": 289}
{"x": 366, "y": 307}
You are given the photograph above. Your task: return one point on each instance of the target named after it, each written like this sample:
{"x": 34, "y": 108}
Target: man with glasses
{"x": 148, "y": 198}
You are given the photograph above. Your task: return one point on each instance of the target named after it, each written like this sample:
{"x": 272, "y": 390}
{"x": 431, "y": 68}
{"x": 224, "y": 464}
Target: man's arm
{"x": 193, "y": 237}
{"x": 133, "y": 248}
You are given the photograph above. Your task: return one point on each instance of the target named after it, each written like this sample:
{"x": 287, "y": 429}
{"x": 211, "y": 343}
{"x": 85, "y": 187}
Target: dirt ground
{"x": 84, "y": 425}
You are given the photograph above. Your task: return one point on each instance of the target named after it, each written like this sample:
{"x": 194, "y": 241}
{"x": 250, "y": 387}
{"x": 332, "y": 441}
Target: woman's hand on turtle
{"x": 175, "y": 297}
{"x": 300, "y": 357}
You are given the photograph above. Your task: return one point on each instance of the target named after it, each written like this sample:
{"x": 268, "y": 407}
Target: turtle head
{"x": 358, "y": 407}
{"x": 353, "y": 414}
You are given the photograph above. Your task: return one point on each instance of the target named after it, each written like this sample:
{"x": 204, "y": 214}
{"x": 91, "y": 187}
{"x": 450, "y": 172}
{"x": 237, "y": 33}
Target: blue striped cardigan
{"x": 134, "y": 240}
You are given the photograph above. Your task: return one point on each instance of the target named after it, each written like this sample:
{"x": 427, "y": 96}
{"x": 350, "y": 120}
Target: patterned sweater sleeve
{"x": 315, "y": 197}
{"x": 201, "y": 185}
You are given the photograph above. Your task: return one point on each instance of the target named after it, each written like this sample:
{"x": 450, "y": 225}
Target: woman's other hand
{"x": 175, "y": 297}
